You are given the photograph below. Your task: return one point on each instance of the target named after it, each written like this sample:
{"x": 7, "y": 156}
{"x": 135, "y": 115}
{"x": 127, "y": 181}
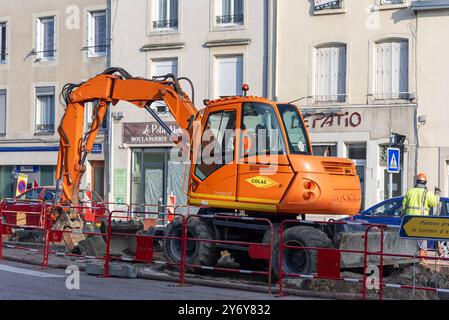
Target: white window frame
{"x": 156, "y": 18}
{"x": 329, "y": 98}
{"x": 40, "y": 36}
{"x": 91, "y": 34}
{"x": 401, "y": 95}
{"x": 5, "y": 60}
{"x": 37, "y": 111}
{"x": 219, "y": 13}
{"x": 5, "y": 115}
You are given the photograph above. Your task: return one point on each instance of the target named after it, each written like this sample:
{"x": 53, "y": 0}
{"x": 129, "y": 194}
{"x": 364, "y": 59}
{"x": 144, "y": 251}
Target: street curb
{"x": 207, "y": 283}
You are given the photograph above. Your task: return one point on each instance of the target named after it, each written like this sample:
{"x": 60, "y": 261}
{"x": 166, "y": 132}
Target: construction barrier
{"x": 144, "y": 252}
{"x": 259, "y": 251}
{"x": 328, "y": 259}
{"x": 57, "y": 236}
{"x": 27, "y": 220}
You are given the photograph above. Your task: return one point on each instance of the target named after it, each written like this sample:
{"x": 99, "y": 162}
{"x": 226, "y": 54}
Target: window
{"x": 165, "y": 14}
{"x": 330, "y": 74}
{"x": 389, "y": 208}
{"x": 327, "y": 4}
{"x": 3, "y": 43}
{"x": 98, "y": 39}
{"x": 46, "y": 43}
{"x": 230, "y": 12}
{"x": 261, "y": 132}
{"x": 329, "y": 150}
{"x": 294, "y": 127}
{"x": 160, "y": 68}
{"x": 382, "y": 2}
{"x": 217, "y": 143}
{"x": 3, "y": 112}
{"x": 45, "y": 109}
{"x": 229, "y": 75}
{"x": 392, "y": 69}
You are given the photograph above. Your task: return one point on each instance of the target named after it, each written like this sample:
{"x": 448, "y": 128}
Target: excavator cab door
{"x": 215, "y": 170}
{"x": 264, "y": 171}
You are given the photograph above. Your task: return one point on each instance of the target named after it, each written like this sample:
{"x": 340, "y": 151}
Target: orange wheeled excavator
{"x": 249, "y": 156}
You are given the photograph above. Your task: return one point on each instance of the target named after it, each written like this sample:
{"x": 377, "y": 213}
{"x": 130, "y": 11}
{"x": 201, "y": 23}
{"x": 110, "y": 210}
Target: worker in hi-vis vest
{"x": 419, "y": 201}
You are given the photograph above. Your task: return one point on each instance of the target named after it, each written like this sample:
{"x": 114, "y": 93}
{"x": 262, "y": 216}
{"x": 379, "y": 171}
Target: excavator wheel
{"x": 297, "y": 261}
{"x": 198, "y": 253}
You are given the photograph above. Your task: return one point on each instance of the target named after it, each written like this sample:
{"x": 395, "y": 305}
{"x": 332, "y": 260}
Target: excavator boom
{"x": 104, "y": 90}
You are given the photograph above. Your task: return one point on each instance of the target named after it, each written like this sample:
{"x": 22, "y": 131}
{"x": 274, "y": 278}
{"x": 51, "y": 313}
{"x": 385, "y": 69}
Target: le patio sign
{"x": 323, "y": 4}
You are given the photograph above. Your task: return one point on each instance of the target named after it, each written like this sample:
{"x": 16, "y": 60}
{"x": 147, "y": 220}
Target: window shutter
{"x": 229, "y": 75}
{"x": 2, "y": 111}
{"x": 3, "y": 42}
{"x": 165, "y": 66}
{"x": 330, "y": 74}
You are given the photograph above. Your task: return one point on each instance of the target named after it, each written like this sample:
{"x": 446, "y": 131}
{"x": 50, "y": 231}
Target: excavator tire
{"x": 297, "y": 261}
{"x": 198, "y": 253}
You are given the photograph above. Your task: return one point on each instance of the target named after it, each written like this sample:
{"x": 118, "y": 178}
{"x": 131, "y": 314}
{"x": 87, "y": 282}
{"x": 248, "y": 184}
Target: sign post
{"x": 393, "y": 164}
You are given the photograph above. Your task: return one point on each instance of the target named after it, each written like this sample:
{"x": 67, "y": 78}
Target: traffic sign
{"x": 21, "y": 184}
{"x": 425, "y": 227}
{"x": 394, "y": 160}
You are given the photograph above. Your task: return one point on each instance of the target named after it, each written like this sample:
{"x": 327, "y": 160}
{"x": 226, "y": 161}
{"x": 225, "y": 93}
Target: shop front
{"x": 362, "y": 134}
{"x": 155, "y": 173}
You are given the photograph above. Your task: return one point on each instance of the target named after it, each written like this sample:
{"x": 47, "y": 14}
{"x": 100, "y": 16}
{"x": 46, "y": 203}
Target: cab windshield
{"x": 294, "y": 128}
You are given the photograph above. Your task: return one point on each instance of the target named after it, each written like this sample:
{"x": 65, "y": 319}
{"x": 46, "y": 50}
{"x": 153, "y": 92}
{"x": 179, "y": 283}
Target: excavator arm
{"x": 104, "y": 90}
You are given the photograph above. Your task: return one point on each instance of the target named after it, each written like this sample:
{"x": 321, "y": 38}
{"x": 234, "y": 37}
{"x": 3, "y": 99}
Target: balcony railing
{"x": 331, "y": 98}
{"x": 230, "y": 19}
{"x": 45, "y": 128}
{"x": 165, "y": 24}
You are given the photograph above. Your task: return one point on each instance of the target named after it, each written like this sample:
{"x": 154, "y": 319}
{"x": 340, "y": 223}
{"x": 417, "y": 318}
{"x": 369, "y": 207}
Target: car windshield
{"x": 390, "y": 208}
{"x": 295, "y": 130}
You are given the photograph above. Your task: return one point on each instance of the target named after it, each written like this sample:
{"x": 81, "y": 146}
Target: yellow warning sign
{"x": 425, "y": 227}
{"x": 262, "y": 182}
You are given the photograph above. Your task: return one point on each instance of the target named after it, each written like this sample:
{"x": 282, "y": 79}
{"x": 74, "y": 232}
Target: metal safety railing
{"x": 328, "y": 259}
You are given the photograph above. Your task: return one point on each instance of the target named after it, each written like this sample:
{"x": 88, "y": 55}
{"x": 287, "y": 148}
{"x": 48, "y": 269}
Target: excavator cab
{"x": 256, "y": 156}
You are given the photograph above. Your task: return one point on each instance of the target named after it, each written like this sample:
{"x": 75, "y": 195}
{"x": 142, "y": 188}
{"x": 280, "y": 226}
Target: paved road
{"x": 25, "y": 282}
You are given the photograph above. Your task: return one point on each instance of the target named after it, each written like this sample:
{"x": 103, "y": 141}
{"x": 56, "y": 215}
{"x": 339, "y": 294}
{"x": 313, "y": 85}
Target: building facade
{"x": 218, "y": 44}
{"x": 44, "y": 45}
{"x": 351, "y": 67}
{"x": 432, "y": 19}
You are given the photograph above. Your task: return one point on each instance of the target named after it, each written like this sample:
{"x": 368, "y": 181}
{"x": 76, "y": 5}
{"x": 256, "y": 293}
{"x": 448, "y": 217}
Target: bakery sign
{"x": 148, "y": 133}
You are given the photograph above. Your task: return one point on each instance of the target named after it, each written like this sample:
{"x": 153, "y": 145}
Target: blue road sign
{"x": 394, "y": 160}
{"x": 97, "y": 148}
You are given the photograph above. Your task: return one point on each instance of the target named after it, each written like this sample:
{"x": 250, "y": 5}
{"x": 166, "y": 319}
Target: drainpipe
{"x": 110, "y": 120}
{"x": 272, "y": 49}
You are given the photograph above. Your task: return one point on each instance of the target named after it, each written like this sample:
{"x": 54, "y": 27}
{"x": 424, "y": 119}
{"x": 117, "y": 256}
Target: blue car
{"x": 389, "y": 212}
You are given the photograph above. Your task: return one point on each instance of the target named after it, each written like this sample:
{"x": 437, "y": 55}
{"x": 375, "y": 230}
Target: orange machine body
{"x": 289, "y": 182}
{"x": 285, "y": 183}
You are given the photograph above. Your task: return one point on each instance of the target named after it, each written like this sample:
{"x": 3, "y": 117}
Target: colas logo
{"x": 262, "y": 182}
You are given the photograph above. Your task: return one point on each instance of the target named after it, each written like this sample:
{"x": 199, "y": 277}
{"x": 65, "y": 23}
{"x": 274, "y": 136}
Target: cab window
{"x": 217, "y": 143}
{"x": 261, "y": 132}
